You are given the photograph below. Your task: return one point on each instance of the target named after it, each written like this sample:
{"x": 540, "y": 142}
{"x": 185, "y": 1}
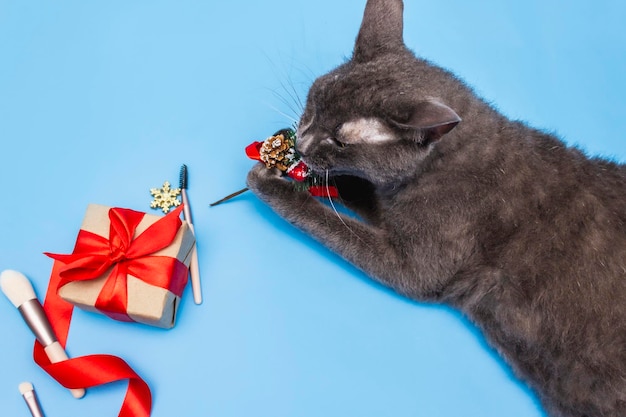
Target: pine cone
{"x": 278, "y": 151}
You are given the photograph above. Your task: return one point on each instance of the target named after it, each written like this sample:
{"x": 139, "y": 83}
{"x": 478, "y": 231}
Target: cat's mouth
{"x": 315, "y": 168}
{"x": 322, "y": 171}
{"x": 316, "y": 164}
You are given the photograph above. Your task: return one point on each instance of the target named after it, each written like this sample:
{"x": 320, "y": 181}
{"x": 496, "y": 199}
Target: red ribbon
{"x": 93, "y": 256}
{"x": 321, "y": 191}
{"x": 125, "y": 254}
{"x": 88, "y": 371}
{"x": 253, "y": 151}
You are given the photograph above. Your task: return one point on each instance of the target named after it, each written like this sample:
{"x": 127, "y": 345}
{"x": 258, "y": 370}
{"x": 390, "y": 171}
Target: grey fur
{"x": 523, "y": 234}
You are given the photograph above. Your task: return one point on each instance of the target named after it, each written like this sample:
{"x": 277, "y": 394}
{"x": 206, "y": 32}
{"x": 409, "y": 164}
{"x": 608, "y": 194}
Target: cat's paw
{"x": 269, "y": 183}
{"x": 260, "y": 175}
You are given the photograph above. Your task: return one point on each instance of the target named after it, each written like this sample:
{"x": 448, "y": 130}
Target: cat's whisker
{"x": 296, "y": 98}
{"x": 307, "y": 72}
{"x": 293, "y": 95}
{"x": 282, "y": 113}
{"x": 332, "y": 204}
{"x": 289, "y": 105}
{"x": 293, "y": 102}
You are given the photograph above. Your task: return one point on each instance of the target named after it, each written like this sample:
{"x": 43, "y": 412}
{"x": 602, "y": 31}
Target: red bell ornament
{"x": 298, "y": 172}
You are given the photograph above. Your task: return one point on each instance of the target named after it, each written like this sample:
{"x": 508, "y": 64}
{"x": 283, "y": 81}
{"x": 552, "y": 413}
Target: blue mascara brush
{"x": 194, "y": 270}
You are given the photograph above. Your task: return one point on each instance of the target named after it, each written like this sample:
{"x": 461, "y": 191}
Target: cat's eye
{"x": 337, "y": 142}
{"x": 335, "y": 135}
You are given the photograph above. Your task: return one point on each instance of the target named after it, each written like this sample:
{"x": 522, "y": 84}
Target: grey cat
{"x": 457, "y": 204}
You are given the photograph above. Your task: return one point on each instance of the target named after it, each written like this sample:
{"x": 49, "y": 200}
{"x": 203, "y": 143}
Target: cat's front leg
{"x": 274, "y": 189}
{"x": 364, "y": 245}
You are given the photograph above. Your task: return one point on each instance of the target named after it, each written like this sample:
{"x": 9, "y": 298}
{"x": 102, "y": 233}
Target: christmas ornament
{"x": 279, "y": 151}
{"x": 165, "y": 197}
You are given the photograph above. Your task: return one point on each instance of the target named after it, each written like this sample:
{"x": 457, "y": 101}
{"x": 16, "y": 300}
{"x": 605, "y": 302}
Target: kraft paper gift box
{"x": 111, "y": 287}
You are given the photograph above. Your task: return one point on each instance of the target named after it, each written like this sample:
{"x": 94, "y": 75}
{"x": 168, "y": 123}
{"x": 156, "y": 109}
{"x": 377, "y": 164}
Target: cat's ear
{"x": 381, "y": 29}
{"x": 431, "y": 119}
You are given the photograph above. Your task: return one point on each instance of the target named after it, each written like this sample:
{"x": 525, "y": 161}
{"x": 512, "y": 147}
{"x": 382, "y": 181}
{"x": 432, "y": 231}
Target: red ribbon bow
{"x": 125, "y": 255}
{"x": 93, "y": 256}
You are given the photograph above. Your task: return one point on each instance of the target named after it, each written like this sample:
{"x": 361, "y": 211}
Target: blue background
{"x": 102, "y": 100}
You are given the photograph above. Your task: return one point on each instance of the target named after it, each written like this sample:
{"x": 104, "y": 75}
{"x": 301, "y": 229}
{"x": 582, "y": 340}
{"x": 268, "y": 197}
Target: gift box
{"x": 128, "y": 265}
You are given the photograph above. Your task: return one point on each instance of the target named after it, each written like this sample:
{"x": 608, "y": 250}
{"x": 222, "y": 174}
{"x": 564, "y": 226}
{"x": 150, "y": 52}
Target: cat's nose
{"x": 303, "y": 144}
{"x": 300, "y": 151}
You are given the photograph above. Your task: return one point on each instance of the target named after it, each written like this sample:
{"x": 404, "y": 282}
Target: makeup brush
{"x": 20, "y": 292}
{"x": 30, "y": 396}
{"x": 194, "y": 269}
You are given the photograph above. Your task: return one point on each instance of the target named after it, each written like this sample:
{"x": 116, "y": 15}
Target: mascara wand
{"x": 229, "y": 196}
{"x": 194, "y": 269}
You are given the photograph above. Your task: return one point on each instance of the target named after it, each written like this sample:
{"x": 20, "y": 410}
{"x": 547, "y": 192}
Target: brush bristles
{"x": 16, "y": 287}
{"x": 25, "y": 387}
{"x": 183, "y": 177}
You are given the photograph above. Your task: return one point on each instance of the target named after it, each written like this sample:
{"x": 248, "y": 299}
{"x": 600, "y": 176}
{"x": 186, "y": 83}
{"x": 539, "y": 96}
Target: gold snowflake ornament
{"x": 165, "y": 197}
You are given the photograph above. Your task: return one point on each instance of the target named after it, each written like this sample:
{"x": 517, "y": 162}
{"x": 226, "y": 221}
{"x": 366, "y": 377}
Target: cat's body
{"x": 458, "y": 204}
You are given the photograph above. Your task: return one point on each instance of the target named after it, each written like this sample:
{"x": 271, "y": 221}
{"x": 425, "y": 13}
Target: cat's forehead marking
{"x": 366, "y": 130}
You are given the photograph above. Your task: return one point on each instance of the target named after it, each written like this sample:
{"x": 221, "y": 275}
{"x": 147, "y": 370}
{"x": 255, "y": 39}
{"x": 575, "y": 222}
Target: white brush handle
{"x": 56, "y": 353}
{"x": 194, "y": 271}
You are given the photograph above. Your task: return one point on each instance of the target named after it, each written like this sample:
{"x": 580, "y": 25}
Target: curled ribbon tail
{"x": 138, "y": 400}
{"x": 92, "y": 370}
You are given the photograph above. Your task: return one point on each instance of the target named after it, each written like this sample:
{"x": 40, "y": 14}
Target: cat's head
{"x": 377, "y": 115}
